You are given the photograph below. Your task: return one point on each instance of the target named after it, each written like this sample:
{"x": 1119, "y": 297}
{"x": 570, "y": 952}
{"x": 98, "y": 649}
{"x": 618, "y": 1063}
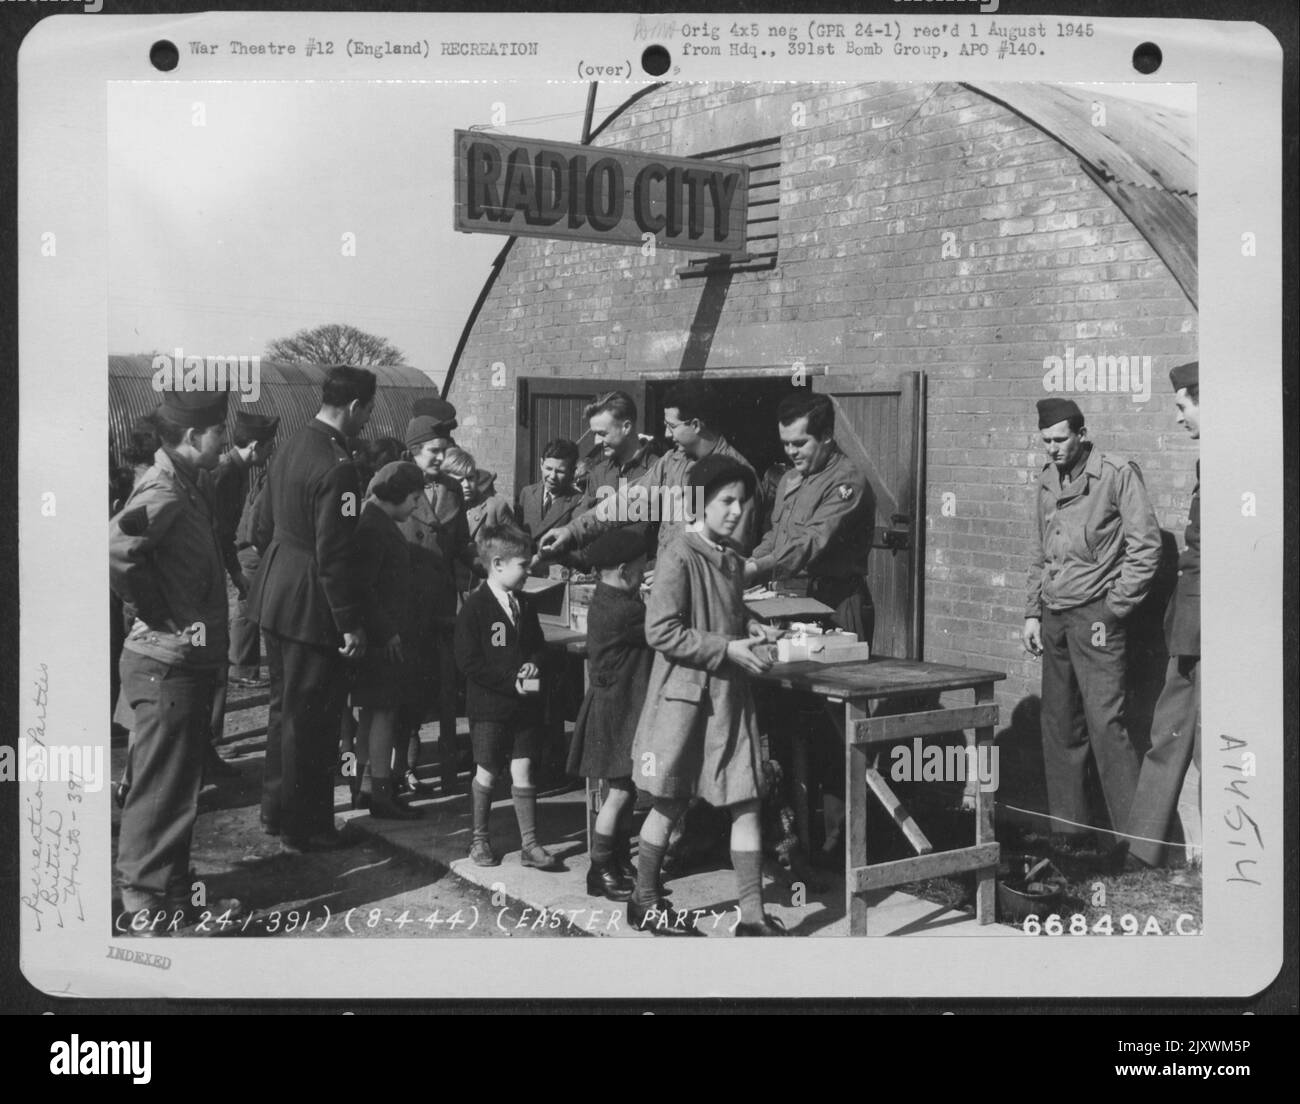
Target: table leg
{"x": 855, "y": 818}
{"x": 799, "y": 783}
{"x": 985, "y": 889}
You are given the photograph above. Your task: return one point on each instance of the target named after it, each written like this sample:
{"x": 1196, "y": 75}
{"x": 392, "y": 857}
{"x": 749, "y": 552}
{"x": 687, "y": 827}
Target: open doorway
{"x": 747, "y": 409}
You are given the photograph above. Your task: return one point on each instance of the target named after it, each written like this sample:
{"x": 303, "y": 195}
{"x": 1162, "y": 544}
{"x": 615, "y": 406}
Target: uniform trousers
{"x": 1175, "y": 741}
{"x": 1083, "y": 665}
{"x": 170, "y": 704}
{"x": 245, "y": 634}
{"x": 308, "y": 688}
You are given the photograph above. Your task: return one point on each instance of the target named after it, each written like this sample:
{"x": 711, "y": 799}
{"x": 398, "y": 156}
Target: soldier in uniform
{"x": 1098, "y": 551}
{"x": 166, "y": 565}
{"x": 239, "y": 475}
{"x": 1176, "y": 726}
{"x": 438, "y": 537}
{"x": 305, "y": 600}
{"x": 624, "y": 455}
{"x": 690, "y": 418}
{"x": 823, "y": 521}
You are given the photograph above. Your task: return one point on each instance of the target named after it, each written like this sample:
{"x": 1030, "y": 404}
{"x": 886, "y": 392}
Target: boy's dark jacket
{"x": 489, "y": 653}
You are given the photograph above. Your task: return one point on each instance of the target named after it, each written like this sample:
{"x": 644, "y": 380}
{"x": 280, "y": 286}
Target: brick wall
{"x": 871, "y": 182}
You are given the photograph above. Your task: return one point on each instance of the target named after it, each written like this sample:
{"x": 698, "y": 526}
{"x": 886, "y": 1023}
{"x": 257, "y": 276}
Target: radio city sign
{"x": 546, "y": 189}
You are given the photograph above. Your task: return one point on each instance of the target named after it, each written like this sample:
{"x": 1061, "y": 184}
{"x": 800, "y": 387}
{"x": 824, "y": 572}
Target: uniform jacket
{"x": 229, "y": 493}
{"x": 305, "y": 524}
{"x": 1097, "y": 538}
{"x": 383, "y": 578}
{"x": 1183, "y": 617}
{"x": 670, "y": 472}
{"x": 822, "y": 525}
{"x": 695, "y": 695}
{"x": 438, "y": 536}
{"x": 490, "y": 651}
{"x": 248, "y": 511}
{"x": 165, "y": 561}
{"x": 534, "y": 521}
{"x": 608, "y": 473}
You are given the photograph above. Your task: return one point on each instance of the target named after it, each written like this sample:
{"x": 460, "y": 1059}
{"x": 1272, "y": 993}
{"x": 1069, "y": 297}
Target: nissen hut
{"x": 936, "y": 256}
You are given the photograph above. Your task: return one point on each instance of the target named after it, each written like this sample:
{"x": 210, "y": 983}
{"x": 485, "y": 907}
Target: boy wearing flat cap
{"x": 166, "y": 564}
{"x": 1176, "y": 726}
{"x": 1098, "y": 551}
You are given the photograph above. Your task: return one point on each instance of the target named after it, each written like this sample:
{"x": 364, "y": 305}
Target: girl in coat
{"x": 385, "y": 679}
{"x": 697, "y": 734}
{"x": 619, "y": 661}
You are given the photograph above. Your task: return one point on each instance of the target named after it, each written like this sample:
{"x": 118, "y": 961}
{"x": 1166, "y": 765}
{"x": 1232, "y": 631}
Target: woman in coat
{"x": 697, "y": 735}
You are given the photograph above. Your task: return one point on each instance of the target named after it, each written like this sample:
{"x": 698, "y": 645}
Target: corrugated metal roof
{"x": 291, "y": 391}
{"x": 1142, "y": 155}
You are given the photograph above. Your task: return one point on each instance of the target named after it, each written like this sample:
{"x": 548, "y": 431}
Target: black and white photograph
{"x": 654, "y": 507}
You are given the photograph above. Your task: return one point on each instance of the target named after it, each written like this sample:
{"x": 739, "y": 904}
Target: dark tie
{"x": 514, "y": 609}
{"x": 546, "y": 502}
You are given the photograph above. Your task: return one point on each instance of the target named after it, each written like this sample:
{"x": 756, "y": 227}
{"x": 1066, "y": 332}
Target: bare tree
{"x": 333, "y": 343}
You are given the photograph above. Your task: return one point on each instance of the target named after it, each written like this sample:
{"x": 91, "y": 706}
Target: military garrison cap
{"x": 256, "y": 427}
{"x": 193, "y": 409}
{"x": 1053, "y": 410}
{"x": 1186, "y": 375}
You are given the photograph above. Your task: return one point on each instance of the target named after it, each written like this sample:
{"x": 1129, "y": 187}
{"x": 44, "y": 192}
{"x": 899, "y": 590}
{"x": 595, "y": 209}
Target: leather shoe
{"x": 330, "y": 840}
{"x": 251, "y": 683}
{"x": 539, "y": 858}
{"x": 606, "y": 880}
{"x": 770, "y": 926}
{"x": 660, "y": 919}
{"x": 384, "y": 804}
{"x": 481, "y": 854}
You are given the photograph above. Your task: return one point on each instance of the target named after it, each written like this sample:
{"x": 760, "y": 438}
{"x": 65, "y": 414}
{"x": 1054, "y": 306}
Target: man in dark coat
{"x": 1176, "y": 726}
{"x": 305, "y": 601}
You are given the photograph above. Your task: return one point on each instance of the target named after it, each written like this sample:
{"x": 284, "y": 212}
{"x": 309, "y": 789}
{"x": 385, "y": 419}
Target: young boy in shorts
{"x": 500, "y": 651}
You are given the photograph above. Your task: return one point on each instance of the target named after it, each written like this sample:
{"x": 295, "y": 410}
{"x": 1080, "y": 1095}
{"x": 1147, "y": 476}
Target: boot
{"x": 384, "y": 806}
{"x": 623, "y": 863}
{"x": 361, "y": 787}
{"x": 606, "y": 879}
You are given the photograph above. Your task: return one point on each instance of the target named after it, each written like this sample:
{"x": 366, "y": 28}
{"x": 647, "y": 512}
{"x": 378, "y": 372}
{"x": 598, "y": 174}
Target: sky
{"x": 230, "y": 204}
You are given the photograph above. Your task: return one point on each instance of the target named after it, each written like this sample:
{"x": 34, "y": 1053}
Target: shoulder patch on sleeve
{"x": 135, "y": 522}
{"x": 845, "y": 491}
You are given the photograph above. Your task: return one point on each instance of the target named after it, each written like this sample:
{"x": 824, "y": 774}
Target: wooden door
{"x": 880, "y": 425}
{"x": 550, "y": 407}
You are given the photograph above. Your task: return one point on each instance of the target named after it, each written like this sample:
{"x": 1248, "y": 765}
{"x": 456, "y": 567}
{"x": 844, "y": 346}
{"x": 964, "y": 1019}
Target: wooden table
{"x": 849, "y": 689}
